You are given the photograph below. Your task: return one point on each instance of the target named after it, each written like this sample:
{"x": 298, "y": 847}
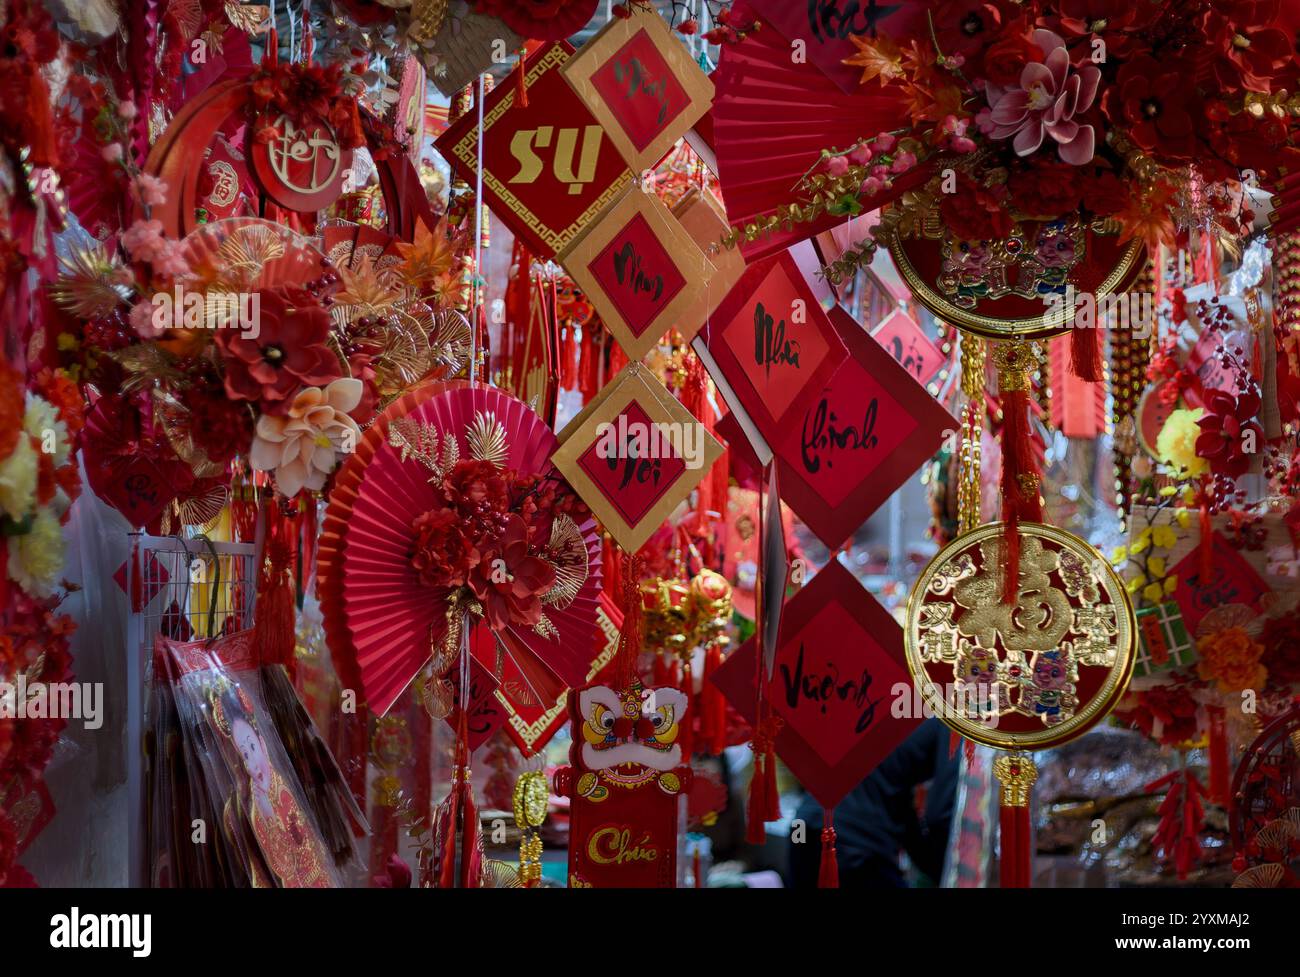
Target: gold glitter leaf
{"x": 487, "y": 439}
{"x": 250, "y": 18}
{"x": 567, "y": 554}
{"x": 87, "y": 286}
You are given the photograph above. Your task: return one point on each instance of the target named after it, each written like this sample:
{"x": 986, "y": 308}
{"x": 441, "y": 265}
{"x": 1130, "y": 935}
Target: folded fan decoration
{"x": 382, "y": 622}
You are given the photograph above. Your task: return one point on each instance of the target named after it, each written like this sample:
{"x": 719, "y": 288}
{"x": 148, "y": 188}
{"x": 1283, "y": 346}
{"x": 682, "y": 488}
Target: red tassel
{"x": 1206, "y": 542}
{"x": 1017, "y": 859}
{"x": 568, "y": 359}
{"x": 686, "y": 732}
{"x": 1220, "y": 766}
{"x": 1085, "y": 354}
{"x": 617, "y": 360}
{"x": 273, "y": 619}
{"x": 629, "y": 635}
{"x": 828, "y": 876}
{"x": 1020, "y": 499}
{"x": 764, "y": 801}
{"x": 713, "y": 705}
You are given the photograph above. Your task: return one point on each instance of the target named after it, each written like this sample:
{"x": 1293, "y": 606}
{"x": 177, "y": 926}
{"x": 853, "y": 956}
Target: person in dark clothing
{"x": 878, "y": 818}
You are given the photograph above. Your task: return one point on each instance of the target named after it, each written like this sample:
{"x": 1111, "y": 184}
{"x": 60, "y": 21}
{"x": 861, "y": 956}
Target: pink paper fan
{"x": 391, "y": 619}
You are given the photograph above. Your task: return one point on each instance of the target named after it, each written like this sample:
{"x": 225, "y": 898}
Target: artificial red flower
{"x": 966, "y": 27}
{"x": 1249, "y": 52}
{"x": 975, "y": 213}
{"x": 1154, "y": 103}
{"x": 442, "y": 555}
{"x": 1281, "y": 640}
{"x": 1230, "y": 435}
{"x": 220, "y": 426}
{"x": 480, "y": 493}
{"x": 1047, "y": 189}
{"x": 509, "y": 581}
{"x": 288, "y": 352}
{"x": 1167, "y": 714}
{"x": 1107, "y": 19}
{"x": 1006, "y": 58}
{"x": 1104, "y": 193}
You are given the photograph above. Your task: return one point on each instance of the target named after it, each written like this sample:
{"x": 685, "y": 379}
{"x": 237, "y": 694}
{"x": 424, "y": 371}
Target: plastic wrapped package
{"x": 228, "y": 806}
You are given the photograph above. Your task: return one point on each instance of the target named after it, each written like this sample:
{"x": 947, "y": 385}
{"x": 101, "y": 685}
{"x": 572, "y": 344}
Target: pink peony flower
{"x": 1045, "y": 102}
{"x": 112, "y": 153}
{"x": 126, "y": 110}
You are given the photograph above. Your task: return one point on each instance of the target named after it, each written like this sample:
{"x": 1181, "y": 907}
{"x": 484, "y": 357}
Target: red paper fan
{"x": 378, "y": 614}
{"x": 252, "y": 253}
{"x": 772, "y": 118}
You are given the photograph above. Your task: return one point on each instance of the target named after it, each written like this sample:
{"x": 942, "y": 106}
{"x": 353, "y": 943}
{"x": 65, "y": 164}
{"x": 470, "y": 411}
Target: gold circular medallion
{"x": 1028, "y": 675}
{"x": 1037, "y": 283}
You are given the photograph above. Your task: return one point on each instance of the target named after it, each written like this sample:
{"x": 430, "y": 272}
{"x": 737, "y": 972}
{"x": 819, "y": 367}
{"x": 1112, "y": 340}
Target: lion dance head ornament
{"x": 626, "y": 783}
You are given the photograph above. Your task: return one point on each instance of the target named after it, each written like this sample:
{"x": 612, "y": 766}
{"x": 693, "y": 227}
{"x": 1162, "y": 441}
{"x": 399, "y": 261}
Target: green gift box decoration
{"x": 1163, "y": 641}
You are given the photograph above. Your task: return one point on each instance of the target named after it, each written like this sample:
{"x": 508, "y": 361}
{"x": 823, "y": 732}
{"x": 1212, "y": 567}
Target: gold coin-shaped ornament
{"x": 1028, "y": 675}
{"x": 1025, "y": 286}
{"x": 531, "y": 796}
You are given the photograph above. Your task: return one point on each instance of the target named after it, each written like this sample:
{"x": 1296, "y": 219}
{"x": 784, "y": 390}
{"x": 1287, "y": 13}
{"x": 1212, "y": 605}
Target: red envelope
{"x": 905, "y": 340}
{"x": 1232, "y": 581}
{"x": 839, "y": 664}
{"x": 773, "y": 344}
{"x": 548, "y": 167}
{"x": 871, "y": 427}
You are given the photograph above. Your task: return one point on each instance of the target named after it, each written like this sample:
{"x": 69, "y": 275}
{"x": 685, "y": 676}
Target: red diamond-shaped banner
{"x": 865, "y": 433}
{"x": 839, "y": 664}
{"x": 773, "y": 345}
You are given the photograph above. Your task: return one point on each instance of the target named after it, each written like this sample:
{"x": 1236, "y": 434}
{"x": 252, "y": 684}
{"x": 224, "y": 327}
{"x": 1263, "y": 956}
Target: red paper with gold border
{"x": 633, "y": 495}
{"x": 530, "y": 722}
{"x": 868, "y": 431}
{"x": 640, "y": 270}
{"x": 641, "y": 84}
{"x": 775, "y": 356}
{"x": 627, "y": 783}
{"x": 839, "y": 660}
{"x": 548, "y": 167}
{"x": 1232, "y": 581}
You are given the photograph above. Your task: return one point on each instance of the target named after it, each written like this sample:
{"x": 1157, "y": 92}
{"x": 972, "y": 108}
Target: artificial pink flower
{"x": 149, "y": 190}
{"x": 1049, "y": 96}
{"x": 144, "y": 240}
{"x": 837, "y": 165}
{"x": 304, "y": 445}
